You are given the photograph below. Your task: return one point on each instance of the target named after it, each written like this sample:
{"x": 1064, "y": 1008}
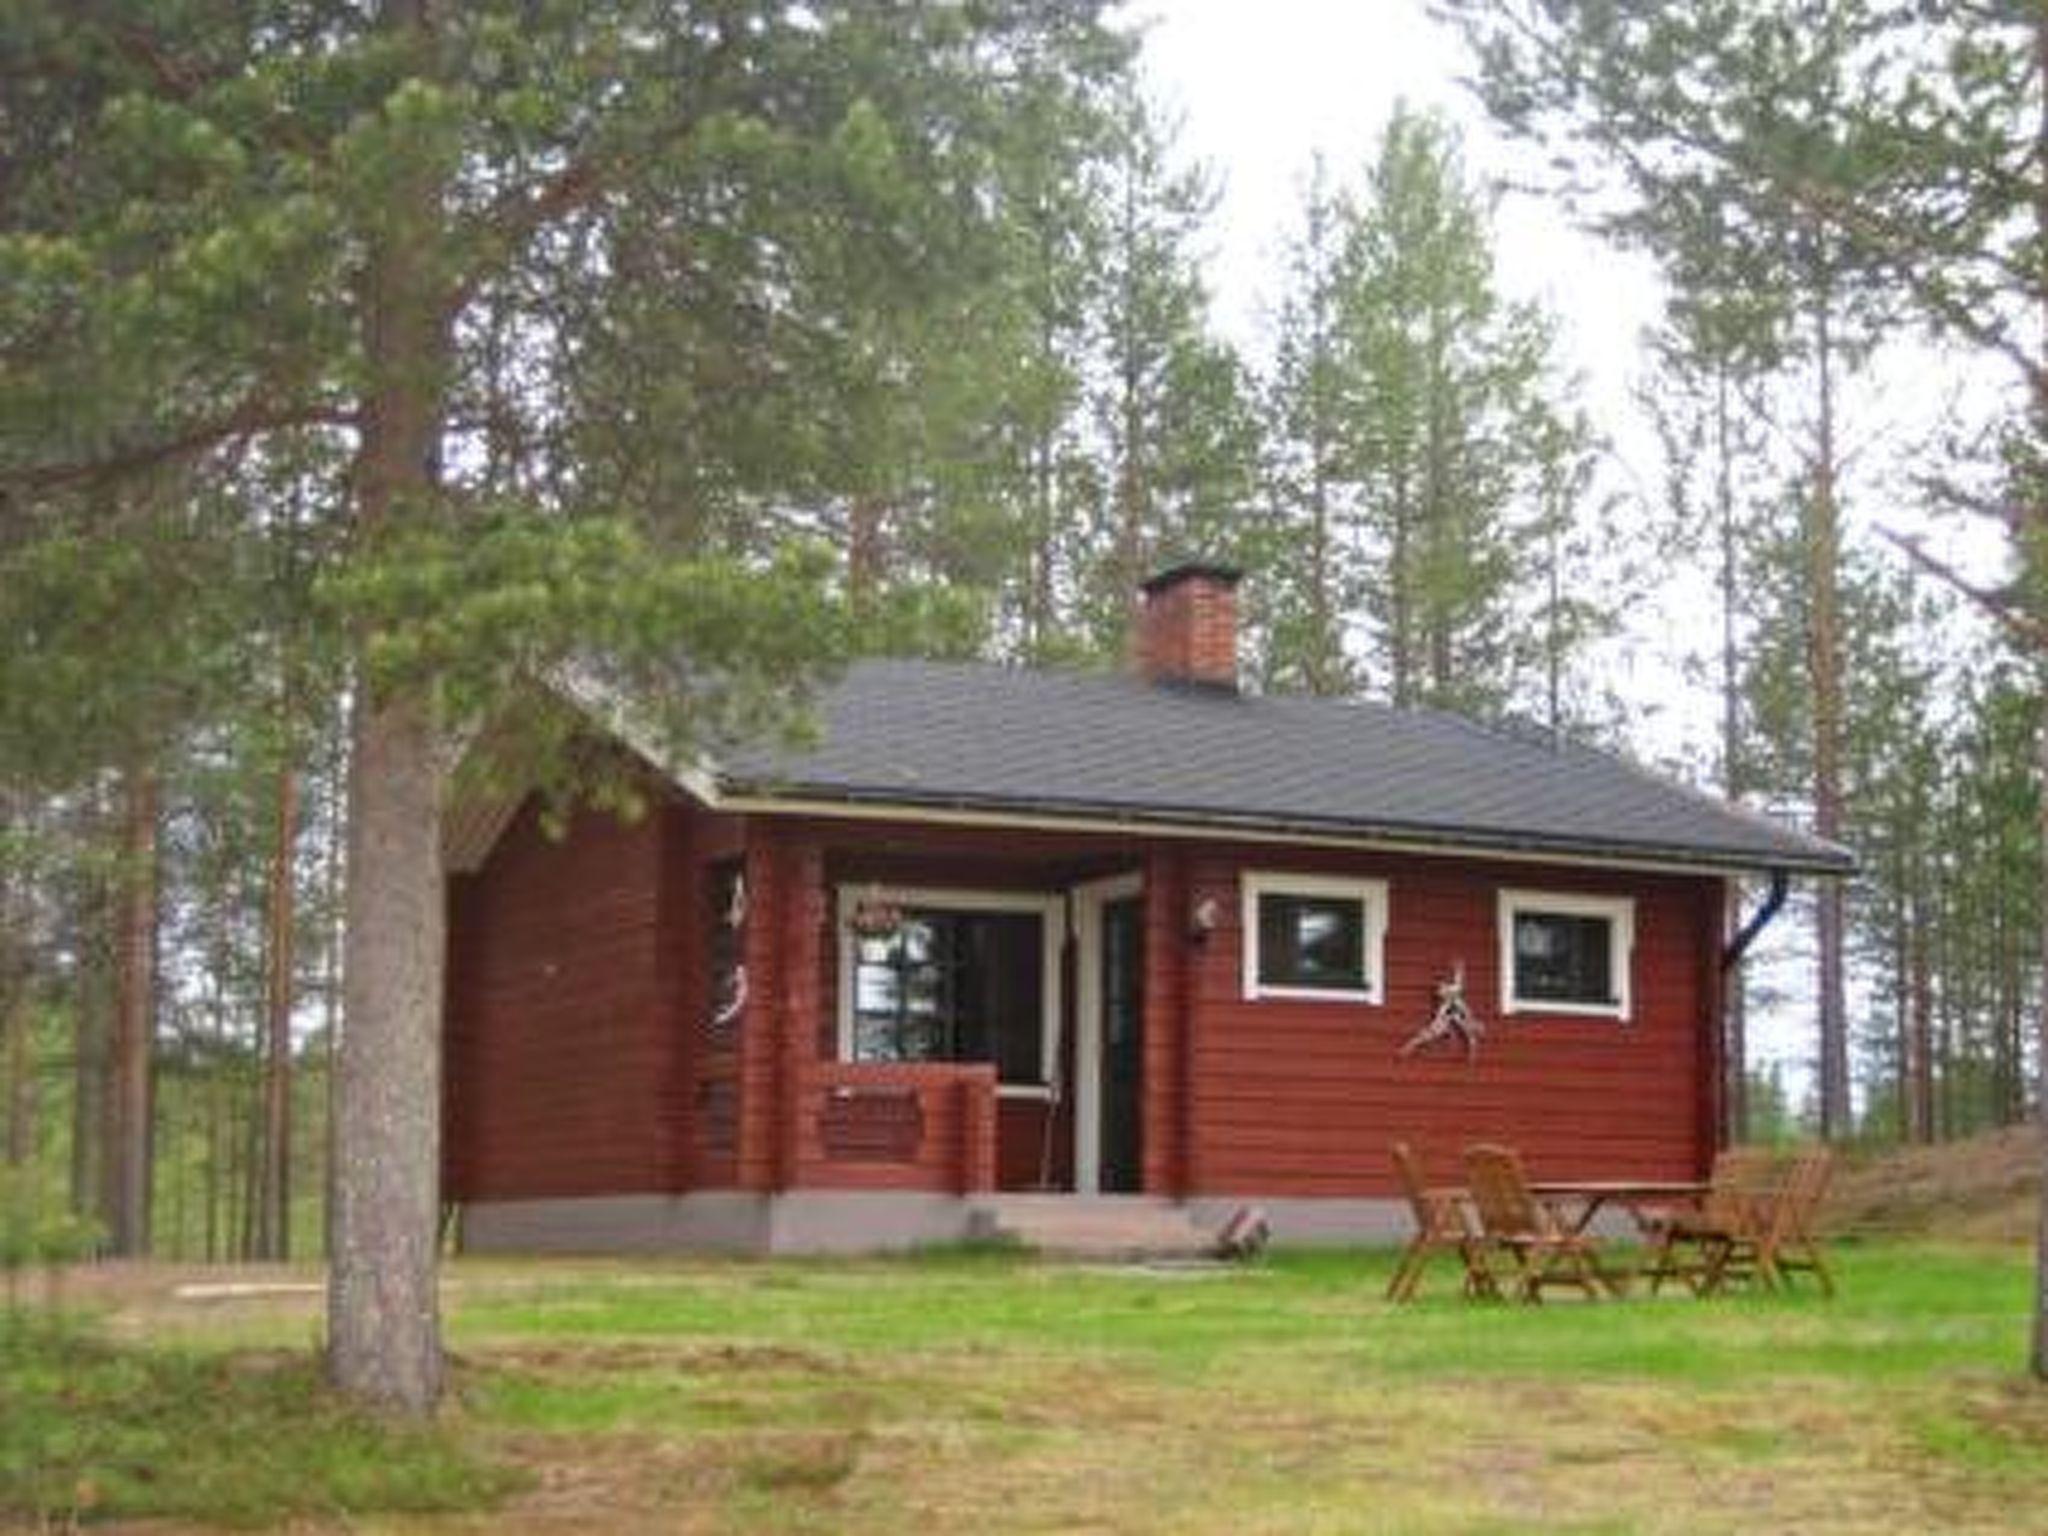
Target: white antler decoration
{"x": 1452, "y": 1020}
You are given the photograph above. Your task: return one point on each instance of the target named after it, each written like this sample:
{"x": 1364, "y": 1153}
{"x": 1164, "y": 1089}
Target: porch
{"x": 918, "y": 1014}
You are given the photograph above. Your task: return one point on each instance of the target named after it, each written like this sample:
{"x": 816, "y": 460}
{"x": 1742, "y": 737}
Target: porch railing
{"x": 908, "y": 1126}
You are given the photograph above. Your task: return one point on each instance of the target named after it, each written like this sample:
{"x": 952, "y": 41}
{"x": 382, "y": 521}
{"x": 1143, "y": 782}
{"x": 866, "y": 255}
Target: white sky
{"x": 1260, "y": 87}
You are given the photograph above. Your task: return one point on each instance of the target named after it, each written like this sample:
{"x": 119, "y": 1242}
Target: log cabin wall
{"x": 561, "y": 1049}
{"x": 580, "y": 1061}
{"x": 1291, "y": 1098}
{"x": 703, "y": 848}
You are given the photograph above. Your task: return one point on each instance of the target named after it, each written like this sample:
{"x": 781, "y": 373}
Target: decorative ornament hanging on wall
{"x": 1453, "y": 1019}
{"x": 874, "y": 915}
{"x": 728, "y": 962}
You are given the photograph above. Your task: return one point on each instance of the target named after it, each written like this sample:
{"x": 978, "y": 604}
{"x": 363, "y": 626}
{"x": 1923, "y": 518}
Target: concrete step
{"x": 1093, "y": 1226}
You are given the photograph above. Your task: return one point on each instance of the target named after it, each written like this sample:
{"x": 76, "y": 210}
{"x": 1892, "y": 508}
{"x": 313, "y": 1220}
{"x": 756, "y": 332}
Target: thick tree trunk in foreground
{"x": 383, "y": 1313}
{"x": 273, "y": 1192}
{"x": 384, "y": 1335}
{"x": 129, "y": 1107}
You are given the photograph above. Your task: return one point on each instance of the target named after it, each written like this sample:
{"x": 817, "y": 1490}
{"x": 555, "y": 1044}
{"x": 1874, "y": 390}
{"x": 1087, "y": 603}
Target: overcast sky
{"x": 1262, "y": 86}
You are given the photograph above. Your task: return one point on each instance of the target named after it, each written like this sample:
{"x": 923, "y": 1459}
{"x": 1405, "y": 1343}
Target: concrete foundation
{"x": 821, "y": 1222}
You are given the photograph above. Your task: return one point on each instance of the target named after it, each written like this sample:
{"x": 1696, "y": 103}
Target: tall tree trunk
{"x": 384, "y": 1335}
{"x": 15, "y": 977}
{"x": 88, "y": 1091}
{"x": 131, "y": 1092}
{"x": 1131, "y": 497}
{"x": 2040, "y": 1350}
{"x": 1401, "y": 591}
{"x": 1824, "y": 664}
{"x": 1735, "y": 1008}
{"x": 1923, "y": 1028}
{"x": 21, "y": 1083}
{"x": 383, "y": 1310}
{"x": 273, "y": 1193}
{"x": 2034, "y": 559}
{"x": 865, "y": 556}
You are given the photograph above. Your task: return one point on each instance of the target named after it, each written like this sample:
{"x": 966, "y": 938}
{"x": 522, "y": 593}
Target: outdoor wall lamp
{"x": 1203, "y": 919}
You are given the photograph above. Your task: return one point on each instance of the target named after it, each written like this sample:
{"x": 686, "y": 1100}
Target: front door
{"x": 1122, "y": 1036}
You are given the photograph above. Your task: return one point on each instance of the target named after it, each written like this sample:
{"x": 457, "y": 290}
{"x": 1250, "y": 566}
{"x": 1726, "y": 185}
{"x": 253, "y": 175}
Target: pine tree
{"x": 247, "y": 231}
{"x": 1431, "y": 485}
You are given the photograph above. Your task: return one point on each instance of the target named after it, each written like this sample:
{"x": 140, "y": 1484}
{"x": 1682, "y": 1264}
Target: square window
{"x": 1566, "y": 954}
{"x": 1312, "y": 936}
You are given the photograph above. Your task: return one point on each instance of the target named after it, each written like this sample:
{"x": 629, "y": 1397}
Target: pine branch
{"x": 2024, "y": 626}
{"x": 255, "y": 415}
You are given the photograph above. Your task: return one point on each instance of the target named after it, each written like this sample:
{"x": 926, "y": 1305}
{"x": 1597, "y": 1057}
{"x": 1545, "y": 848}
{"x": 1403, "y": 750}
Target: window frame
{"x": 1620, "y": 913}
{"x": 1049, "y": 908}
{"x": 1373, "y": 902}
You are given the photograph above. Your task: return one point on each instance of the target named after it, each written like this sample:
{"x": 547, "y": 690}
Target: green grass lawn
{"x": 959, "y": 1391}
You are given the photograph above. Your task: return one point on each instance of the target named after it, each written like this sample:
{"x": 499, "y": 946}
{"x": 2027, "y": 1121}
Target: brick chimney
{"x": 1187, "y": 626}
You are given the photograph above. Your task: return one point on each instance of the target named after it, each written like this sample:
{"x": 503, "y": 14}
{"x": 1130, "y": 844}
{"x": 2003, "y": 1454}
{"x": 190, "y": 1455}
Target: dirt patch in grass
{"x": 694, "y": 1356}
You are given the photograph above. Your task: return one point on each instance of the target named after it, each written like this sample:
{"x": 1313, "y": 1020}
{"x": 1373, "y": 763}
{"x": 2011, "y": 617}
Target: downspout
{"x": 1746, "y": 935}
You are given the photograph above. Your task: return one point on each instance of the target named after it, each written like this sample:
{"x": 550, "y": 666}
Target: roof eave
{"x": 769, "y": 796}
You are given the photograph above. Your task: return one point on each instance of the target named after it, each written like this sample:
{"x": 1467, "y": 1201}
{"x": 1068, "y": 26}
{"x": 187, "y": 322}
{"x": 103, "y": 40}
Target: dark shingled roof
{"x": 1105, "y": 747}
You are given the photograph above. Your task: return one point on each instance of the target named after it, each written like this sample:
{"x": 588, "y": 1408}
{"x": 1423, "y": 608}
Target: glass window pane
{"x": 1311, "y": 941}
{"x": 876, "y": 989}
{"x": 1564, "y": 957}
{"x": 953, "y": 986}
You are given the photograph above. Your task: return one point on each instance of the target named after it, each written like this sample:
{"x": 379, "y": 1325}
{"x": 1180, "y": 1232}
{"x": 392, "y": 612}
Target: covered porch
{"x": 945, "y": 1011}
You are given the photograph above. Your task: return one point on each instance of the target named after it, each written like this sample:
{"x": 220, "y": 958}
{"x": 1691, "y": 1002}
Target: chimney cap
{"x": 1187, "y": 570}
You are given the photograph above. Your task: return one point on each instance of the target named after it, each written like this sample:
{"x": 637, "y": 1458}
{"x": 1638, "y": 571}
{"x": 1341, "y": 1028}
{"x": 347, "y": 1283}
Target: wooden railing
{"x": 899, "y": 1127}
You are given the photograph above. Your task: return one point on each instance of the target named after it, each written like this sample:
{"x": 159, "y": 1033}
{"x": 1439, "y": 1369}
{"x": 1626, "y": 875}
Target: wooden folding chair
{"x": 1697, "y": 1246}
{"x": 1441, "y": 1226}
{"x": 1789, "y": 1241}
{"x": 1513, "y": 1221}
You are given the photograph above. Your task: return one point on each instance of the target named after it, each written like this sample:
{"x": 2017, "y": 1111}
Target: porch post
{"x": 1167, "y": 1038}
{"x": 800, "y": 992}
{"x": 755, "y": 1160}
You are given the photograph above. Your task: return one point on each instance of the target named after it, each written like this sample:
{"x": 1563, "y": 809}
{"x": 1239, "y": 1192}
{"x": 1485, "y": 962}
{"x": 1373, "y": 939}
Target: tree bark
{"x": 1922, "y": 981}
{"x": 1824, "y": 663}
{"x": 2040, "y": 1351}
{"x": 131, "y": 1092}
{"x": 384, "y": 1335}
{"x": 383, "y": 1317}
{"x": 21, "y": 1084}
{"x": 2034, "y": 560}
{"x": 15, "y": 976}
{"x": 866, "y": 517}
{"x": 273, "y": 1196}
{"x": 1735, "y": 1008}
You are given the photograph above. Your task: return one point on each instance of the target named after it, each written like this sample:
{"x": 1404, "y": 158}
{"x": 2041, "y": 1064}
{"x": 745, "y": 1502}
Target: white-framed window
{"x": 962, "y": 976}
{"x": 1318, "y": 937}
{"x": 1564, "y": 953}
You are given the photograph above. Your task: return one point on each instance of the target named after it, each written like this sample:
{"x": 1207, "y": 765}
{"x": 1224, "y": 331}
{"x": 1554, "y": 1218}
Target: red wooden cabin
{"x": 1006, "y": 932}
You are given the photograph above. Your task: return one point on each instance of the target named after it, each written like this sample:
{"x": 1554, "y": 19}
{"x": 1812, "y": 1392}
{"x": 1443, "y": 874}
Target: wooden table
{"x": 1589, "y": 1197}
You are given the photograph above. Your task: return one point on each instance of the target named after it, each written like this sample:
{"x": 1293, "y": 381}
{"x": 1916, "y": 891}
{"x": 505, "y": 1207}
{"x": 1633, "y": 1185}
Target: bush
{"x": 36, "y": 1229}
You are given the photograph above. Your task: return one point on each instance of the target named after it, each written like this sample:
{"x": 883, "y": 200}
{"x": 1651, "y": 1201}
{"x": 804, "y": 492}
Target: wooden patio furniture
{"x": 1791, "y": 1238}
{"x": 1442, "y": 1225}
{"x": 1761, "y": 1230}
{"x": 1514, "y": 1222}
{"x": 1696, "y": 1245}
